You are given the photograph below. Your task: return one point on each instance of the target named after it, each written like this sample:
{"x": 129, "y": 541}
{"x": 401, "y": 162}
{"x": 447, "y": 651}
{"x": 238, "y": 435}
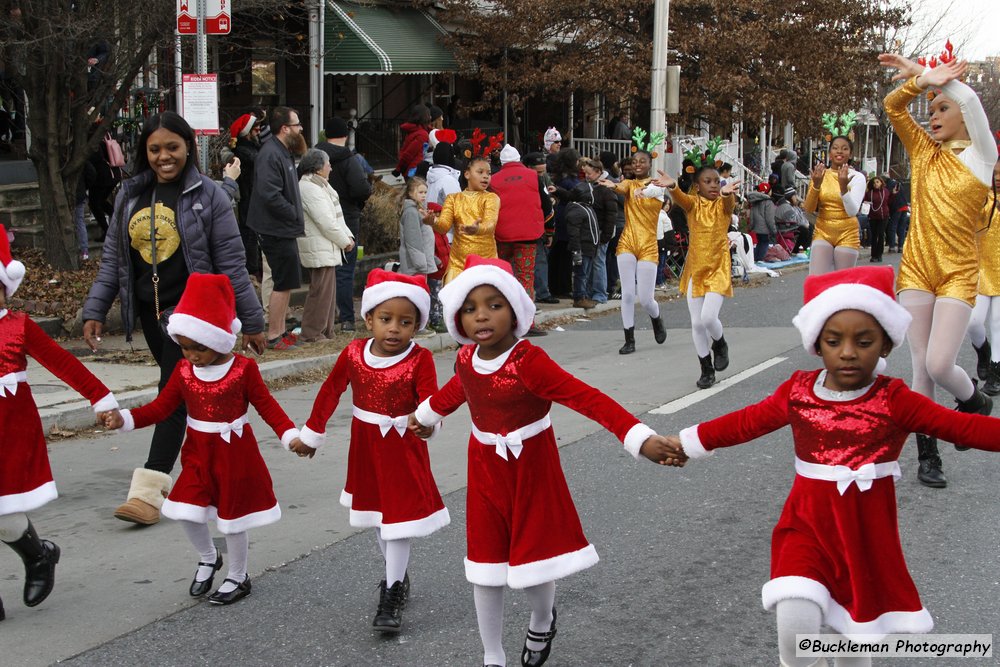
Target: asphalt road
{"x": 683, "y": 552}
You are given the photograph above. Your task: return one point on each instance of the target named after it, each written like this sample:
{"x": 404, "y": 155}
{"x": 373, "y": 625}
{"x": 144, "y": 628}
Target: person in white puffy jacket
{"x": 322, "y": 249}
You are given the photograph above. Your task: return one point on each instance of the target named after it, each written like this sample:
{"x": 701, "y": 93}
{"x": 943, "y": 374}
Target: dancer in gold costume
{"x": 988, "y": 297}
{"x": 471, "y": 215}
{"x": 952, "y": 169}
{"x": 835, "y": 195}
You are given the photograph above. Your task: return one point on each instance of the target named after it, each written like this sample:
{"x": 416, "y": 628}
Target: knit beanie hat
{"x": 509, "y": 154}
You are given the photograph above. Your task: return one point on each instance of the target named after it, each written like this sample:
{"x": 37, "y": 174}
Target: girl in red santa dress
{"x": 224, "y": 477}
{"x": 25, "y": 476}
{"x": 389, "y": 483}
{"x": 522, "y": 527}
{"x": 836, "y": 558}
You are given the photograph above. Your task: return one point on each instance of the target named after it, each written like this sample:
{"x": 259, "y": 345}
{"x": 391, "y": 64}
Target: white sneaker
{"x": 85, "y": 256}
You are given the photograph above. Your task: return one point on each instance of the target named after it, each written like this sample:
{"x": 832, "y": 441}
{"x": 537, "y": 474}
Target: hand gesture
{"x": 606, "y": 183}
{"x": 818, "y": 172}
{"x": 232, "y": 170}
{"x": 662, "y": 450}
{"x": 944, "y": 73}
{"x": 427, "y": 217}
{"x": 731, "y": 187}
{"x": 112, "y": 419}
{"x": 255, "y": 342}
{"x": 92, "y": 330}
{"x": 417, "y": 428}
{"x": 844, "y": 177}
{"x": 663, "y": 181}
{"x": 907, "y": 68}
{"x": 296, "y": 446}
{"x": 472, "y": 229}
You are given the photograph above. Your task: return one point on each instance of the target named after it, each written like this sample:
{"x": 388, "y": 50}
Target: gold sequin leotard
{"x": 988, "y": 242}
{"x": 639, "y": 236}
{"x": 834, "y": 224}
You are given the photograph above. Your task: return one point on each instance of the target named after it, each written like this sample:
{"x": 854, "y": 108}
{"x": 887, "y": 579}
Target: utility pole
{"x": 201, "y": 67}
{"x": 658, "y": 87}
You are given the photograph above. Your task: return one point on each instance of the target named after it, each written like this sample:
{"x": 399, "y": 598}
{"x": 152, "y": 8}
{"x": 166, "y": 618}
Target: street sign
{"x": 200, "y": 95}
{"x": 187, "y": 17}
{"x": 218, "y": 18}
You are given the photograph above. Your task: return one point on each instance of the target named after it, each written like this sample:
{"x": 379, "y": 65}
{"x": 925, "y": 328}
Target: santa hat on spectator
{"x": 444, "y": 135}
{"x": 11, "y": 270}
{"x": 868, "y": 289}
{"x": 241, "y": 126}
{"x": 383, "y": 285}
{"x": 206, "y": 313}
{"x": 551, "y": 136}
{"x": 482, "y": 271}
{"x": 509, "y": 154}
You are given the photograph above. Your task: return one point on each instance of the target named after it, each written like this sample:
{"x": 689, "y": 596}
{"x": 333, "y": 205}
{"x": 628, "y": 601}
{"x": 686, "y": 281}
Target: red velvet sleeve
{"x": 61, "y": 363}
{"x": 448, "y": 398}
{"x": 426, "y": 376}
{"x": 918, "y": 414}
{"x": 263, "y": 402}
{"x": 164, "y": 404}
{"x": 329, "y": 394}
{"x": 550, "y": 381}
{"x": 748, "y": 423}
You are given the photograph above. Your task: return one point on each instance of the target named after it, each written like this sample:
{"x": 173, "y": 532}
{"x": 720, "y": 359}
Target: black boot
{"x": 720, "y": 350}
{"x": 977, "y": 404}
{"x": 659, "y": 331}
{"x": 629, "y": 346}
{"x": 992, "y": 386}
{"x": 2, "y": 614}
{"x": 707, "y": 378}
{"x": 929, "y": 473}
{"x": 40, "y": 558}
{"x": 983, "y": 360}
{"x": 389, "y": 617}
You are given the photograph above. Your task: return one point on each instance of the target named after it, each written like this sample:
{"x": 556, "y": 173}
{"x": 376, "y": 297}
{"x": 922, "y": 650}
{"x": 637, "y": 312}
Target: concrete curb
{"x": 80, "y": 414}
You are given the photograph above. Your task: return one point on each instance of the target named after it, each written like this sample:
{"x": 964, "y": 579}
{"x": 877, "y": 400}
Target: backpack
{"x": 116, "y": 157}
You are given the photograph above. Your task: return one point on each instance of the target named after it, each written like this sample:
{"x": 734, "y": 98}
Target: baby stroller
{"x": 788, "y": 232}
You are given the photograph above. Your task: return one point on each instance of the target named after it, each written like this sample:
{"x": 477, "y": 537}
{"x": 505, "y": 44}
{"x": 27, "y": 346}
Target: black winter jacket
{"x": 349, "y": 180}
{"x": 275, "y": 204}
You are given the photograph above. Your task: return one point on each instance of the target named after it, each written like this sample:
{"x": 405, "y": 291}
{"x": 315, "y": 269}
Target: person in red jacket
{"x": 524, "y": 207}
{"x": 412, "y": 152}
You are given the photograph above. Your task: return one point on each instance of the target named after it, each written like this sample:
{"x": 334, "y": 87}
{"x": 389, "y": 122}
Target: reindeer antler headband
{"x": 839, "y": 125}
{"x": 639, "y": 139}
{"x": 707, "y": 157}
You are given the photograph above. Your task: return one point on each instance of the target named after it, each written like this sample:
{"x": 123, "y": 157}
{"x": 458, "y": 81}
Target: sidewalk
{"x": 133, "y": 375}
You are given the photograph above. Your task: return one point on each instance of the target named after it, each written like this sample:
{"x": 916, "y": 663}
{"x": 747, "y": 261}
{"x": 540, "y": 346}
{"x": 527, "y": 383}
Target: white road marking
{"x": 700, "y": 395}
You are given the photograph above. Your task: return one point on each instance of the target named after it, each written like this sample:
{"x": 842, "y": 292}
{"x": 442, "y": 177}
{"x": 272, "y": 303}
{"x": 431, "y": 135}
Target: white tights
{"x": 13, "y": 526}
{"x": 987, "y": 308}
{"x": 397, "y": 557}
{"x": 237, "y": 549}
{"x": 935, "y": 336}
{"x": 824, "y": 258}
{"x": 638, "y": 279}
{"x": 804, "y": 617}
{"x": 489, "y": 614}
{"x": 705, "y": 323}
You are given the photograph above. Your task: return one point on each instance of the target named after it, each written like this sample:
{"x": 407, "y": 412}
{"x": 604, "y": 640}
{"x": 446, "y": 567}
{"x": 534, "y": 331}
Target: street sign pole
{"x": 201, "y": 67}
{"x": 658, "y": 83}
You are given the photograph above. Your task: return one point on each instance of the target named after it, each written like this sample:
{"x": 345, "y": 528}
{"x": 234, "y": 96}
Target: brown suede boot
{"x": 145, "y": 497}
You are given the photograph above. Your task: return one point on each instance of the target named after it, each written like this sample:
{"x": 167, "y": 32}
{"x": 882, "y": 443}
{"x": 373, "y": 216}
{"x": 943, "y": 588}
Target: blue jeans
{"x": 661, "y": 268}
{"x": 599, "y": 274}
{"x": 581, "y": 278}
{"x": 345, "y": 286}
{"x": 542, "y": 271}
{"x": 899, "y": 224}
{"x": 760, "y": 250}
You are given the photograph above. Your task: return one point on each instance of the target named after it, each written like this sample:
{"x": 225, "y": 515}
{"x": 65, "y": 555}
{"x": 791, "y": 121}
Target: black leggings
{"x": 168, "y": 434}
{"x": 878, "y": 237}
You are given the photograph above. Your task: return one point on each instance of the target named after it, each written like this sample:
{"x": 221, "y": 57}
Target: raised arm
{"x": 160, "y": 407}
{"x": 445, "y": 221}
{"x": 919, "y": 414}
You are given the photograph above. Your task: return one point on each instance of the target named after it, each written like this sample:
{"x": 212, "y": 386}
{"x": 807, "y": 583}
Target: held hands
{"x": 818, "y": 172}
{"x": 730, "y": 188}
{"x": 112, "y": 419}
{"x": 665, "y": 450}
{"x": 296, "y": 446}
{"x": 417, "y": 428}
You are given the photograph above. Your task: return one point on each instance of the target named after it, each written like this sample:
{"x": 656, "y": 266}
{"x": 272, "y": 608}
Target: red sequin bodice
{"x": 13, "y": 344}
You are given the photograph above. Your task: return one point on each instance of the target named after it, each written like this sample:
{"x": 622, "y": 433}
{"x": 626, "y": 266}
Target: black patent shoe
{"x": 238, "y": 593}
{"x": 531, "y": 658}
{"x": 199, "y": 588}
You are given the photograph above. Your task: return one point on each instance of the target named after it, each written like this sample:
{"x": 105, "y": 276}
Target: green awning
{"x": 373, "y": 39}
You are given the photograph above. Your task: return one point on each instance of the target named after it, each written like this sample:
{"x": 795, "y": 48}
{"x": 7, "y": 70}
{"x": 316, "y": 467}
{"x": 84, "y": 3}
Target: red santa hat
{"x": 868, "y": 289}
{"x": 383, "y": 285}
{"x": 11, "y": 270}
{"x": 206, "y": 313}
{"x": 444, "y": 135}
{"x": 241, "y": 126}
{"x": 482, "y": 271}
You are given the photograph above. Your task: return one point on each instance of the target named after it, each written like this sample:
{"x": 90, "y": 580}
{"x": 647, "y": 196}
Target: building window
{"x": 265, "y": 77}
